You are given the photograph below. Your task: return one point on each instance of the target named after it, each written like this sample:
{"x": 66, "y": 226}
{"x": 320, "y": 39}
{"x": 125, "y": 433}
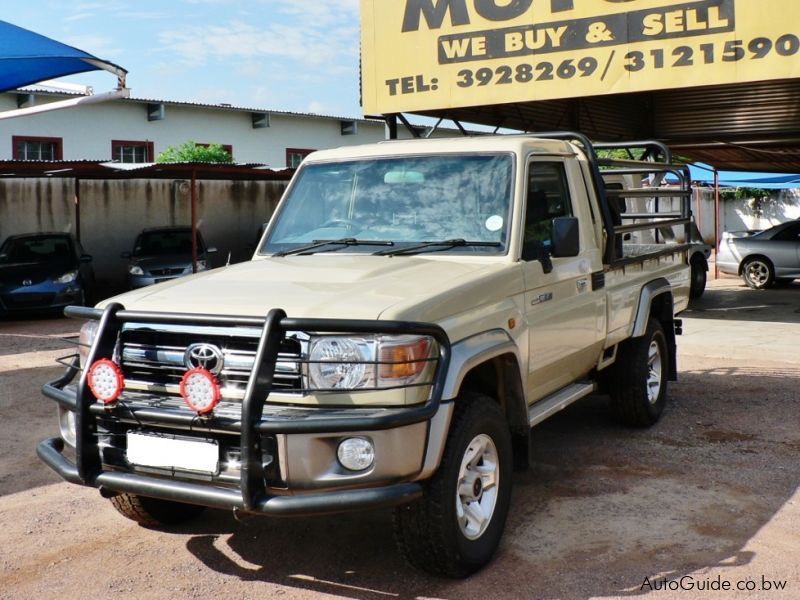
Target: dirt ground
{"x": 707, "y": 496}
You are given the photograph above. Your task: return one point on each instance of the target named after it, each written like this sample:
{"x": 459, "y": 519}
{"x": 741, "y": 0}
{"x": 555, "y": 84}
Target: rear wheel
{"x": 456, "y": 527}
{"x": 152, "y": 512}
{"x": 698, "y": 282}
{"x": 638, "y": 383}
{"x": 758, "y": 273}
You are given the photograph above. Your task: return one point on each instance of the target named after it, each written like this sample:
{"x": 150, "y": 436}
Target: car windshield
{"x": 35, "y": 249}
{"x": 398, "y": 201}
{"x": 158, "y": 243}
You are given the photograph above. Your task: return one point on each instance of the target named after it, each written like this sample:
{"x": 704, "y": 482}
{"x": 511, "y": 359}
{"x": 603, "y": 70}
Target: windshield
{"x": 36, "y": 249}
{"x": 405, "y": 201}
{"x": 158, "y": 243}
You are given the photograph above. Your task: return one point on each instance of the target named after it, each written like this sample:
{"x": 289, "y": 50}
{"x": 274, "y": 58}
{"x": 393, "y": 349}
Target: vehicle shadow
{"x": 602, "y": 508}
{"x": 732, "y": 300}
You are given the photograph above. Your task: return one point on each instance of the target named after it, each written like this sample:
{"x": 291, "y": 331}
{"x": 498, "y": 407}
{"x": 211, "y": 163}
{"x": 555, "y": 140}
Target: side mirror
{"x": 86, "y": 258}
{"x": 125, "y": 255}
{"x": 566, "y": 237}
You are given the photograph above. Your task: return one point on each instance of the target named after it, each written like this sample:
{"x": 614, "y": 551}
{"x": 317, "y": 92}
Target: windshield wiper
{"x": 343, "y": 242}
{"x": 439, "y": 245}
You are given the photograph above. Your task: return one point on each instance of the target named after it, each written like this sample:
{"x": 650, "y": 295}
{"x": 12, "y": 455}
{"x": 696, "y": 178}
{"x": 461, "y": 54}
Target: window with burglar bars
{"x": 126, "y": 151}
{"x": 36, "y": 148}
{"x": 295, "y": 156}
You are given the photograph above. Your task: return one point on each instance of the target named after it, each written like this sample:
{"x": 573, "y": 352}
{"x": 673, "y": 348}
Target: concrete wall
{"x": 113, "y": 212}
{"x": 737, "y": 215}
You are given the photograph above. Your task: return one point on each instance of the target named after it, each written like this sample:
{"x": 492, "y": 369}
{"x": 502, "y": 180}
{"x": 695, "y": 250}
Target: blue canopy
{"x": 27, "y": 57}
{"x": 771, "y": 181}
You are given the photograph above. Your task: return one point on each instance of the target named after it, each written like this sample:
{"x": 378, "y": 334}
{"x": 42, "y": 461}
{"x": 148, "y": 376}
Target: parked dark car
{"x": 164, "y": 253}
{"x": 43, "y": 271}
{"x": 762, "y": 258}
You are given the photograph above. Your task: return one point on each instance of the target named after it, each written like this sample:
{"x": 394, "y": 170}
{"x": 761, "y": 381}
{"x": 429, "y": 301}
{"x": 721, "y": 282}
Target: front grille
{"x": 166, "y": 272}
{"x": 153, "y": 357}
{"x": 28, "y": 300}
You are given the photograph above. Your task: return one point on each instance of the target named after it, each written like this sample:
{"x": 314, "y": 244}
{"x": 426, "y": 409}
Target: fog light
{"x": 66, "y": 423}
{"x": 200, "y": 390}
{"x": 105, "y": 380}
{"x": 356, "y": 454}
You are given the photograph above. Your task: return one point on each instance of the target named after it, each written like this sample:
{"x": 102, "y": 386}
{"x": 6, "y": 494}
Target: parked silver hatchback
{"x": 164, "y": 253}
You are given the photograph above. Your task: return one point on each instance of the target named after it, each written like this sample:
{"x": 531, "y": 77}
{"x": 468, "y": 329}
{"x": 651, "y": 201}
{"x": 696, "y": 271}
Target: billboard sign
{"x": 422, "y": 55}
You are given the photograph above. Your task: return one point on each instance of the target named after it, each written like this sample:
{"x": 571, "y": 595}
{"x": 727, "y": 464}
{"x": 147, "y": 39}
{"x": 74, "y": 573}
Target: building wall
{"x": 87, "y": 131}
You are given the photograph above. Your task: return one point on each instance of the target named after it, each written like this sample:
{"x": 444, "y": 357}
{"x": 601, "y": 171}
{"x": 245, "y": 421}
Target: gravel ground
{"x": 710, "y": 494}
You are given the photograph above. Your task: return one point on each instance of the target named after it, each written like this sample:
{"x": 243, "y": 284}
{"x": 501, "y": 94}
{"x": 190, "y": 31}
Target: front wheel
{"x": 152, "y": 512}
{"x": 456, "y": 527}
{"x": 758, "y": 273}
{"x": 638, "y": 384}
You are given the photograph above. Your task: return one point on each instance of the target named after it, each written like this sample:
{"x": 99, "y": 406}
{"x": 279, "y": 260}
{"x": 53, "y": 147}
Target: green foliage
{"x": 618, "y": 154}
{"x": 191, "y": 152}
{"x": 744, "y": 193}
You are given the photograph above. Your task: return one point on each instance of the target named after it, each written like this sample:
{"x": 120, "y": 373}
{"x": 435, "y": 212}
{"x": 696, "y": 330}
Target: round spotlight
{"x": 200, "y": 390}
{"x": 356, "y": 454}
{"x": 105, "y": 380}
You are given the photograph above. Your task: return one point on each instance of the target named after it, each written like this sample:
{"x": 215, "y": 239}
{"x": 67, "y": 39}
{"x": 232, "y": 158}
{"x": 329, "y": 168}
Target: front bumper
{"x": 50, "y": 452}
{"x": 252, "y": 491}
{"x": 44, "y": 296}
{"x": 140, "y": 281}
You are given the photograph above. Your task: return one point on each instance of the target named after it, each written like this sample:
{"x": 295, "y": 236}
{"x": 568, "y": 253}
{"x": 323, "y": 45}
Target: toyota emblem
{"x": 27, "y": 282}
{"x": 204, "y": 356}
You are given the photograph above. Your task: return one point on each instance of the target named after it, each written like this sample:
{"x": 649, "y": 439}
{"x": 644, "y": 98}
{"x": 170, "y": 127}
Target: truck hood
{"x": 344, "y": 287}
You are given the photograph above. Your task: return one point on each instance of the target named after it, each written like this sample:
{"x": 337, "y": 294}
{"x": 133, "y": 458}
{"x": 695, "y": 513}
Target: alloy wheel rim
{"x": 478, "y": 480}
{"x": 758, "y": 273}
{"x": 654, "y": 372}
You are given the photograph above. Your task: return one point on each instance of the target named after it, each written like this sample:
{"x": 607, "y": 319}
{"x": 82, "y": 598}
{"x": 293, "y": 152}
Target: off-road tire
{"x": 641, "y": 364}
{"x": 758, "y": 273}
{"x": 152, "y": 512}
{"x": 698, "y": 277}
{"x": 428, "y": 532}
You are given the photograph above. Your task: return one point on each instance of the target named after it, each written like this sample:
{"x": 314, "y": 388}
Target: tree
{"x": 192, "y": 152}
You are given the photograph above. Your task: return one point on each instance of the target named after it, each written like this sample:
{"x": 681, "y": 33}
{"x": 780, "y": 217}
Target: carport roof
{"x": 87, "y": 169}
{"x": 743, "y": 127}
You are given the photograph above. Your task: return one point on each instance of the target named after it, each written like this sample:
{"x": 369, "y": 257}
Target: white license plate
{"x": 170, "y": 453}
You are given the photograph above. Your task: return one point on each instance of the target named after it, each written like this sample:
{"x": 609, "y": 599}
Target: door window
{"x": 548, "y": 198}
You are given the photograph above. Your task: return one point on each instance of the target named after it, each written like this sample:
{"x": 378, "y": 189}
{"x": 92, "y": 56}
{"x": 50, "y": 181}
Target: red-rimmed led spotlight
{"x": 200, "y": 390}
{"x": 105, "y": 380}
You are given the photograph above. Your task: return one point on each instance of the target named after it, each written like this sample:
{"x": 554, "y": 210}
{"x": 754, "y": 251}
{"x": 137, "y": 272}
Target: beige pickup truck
{"x": 413, "y": 310}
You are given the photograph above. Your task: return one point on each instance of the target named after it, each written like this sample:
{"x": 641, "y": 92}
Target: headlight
{"x": 67, "y": 277}
{"x": 359, "y": 362}
{"x": 86, "y": 339}
{"x": 135, "y": 270}
{"x": 342, "y": 363}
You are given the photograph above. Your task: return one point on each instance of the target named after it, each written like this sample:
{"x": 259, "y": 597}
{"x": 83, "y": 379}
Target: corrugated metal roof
{"x": 220, "y": 106}
{"x": 752, "y": 126}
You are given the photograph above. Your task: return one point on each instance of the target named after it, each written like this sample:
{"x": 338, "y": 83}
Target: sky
{"x": 283, "y": 55}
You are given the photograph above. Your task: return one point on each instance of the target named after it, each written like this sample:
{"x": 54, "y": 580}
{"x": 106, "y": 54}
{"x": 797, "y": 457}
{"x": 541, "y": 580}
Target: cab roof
{"x": 518, "y": 144}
